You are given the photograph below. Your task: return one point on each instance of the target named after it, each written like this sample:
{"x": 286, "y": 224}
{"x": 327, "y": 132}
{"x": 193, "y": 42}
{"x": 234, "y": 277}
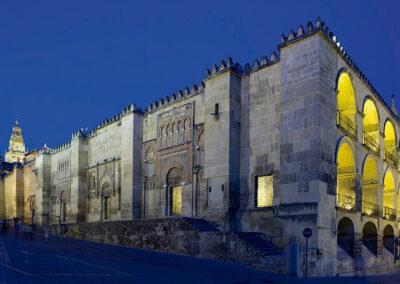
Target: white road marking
{"x": 91, "y": 264}
{"x": 26, "y": 252}
{"x": 57, "y": 274}
{"x": 8, "y": 274}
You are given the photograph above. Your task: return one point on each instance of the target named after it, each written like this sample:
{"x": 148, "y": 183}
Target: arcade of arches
{"x": 346, "y": 193}
{"x": 352, "y": 243}
{"x": 373, "y": 184}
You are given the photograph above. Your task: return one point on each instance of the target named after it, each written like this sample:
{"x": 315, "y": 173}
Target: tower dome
{"x": 16, "y": 148}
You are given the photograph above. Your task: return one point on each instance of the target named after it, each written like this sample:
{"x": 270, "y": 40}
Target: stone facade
{"x": 204, "y": 153}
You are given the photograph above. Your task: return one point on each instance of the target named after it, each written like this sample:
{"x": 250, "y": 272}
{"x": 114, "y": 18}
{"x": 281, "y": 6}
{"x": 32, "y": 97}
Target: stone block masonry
{"x": 296, "y": 139}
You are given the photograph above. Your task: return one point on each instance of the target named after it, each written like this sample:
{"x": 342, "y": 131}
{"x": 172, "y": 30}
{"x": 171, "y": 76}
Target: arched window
{"x": 346, "y": 104}
{"x": 346, "y": 171}
{"x": 370, "y": 187}
{"x": 388, "y": 196}
{"x": 390, "y": 144}
{"x": 371, "y": 126}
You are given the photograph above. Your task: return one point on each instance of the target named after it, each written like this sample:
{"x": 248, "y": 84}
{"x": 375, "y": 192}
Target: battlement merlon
{"x": 320, "y": 27}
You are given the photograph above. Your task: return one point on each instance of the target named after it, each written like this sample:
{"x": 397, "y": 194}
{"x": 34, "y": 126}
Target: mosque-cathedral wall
{"x": 295, "y": 140}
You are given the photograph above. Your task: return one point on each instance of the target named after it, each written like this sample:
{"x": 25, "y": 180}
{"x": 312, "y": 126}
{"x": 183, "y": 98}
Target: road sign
{"x": 307, "y": 232}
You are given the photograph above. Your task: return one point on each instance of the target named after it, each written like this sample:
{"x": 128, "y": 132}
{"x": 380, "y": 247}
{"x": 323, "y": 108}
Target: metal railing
{"x": 370, "y": 209}
{"x": 346, "y": 182}
{"x": 391, "y": 156}
{"x": 345, "y": 201}
{"x": 371, "y": 143}
{"x": 370, "y": 182}
{"x": 346, "y": 170}
{"x": 389, "y": 213}
{"x": 371, "y": 128}
{"x": 346, "y": 123}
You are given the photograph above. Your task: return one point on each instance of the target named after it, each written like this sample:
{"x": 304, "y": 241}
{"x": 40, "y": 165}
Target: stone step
{"x": 260, "y": 242}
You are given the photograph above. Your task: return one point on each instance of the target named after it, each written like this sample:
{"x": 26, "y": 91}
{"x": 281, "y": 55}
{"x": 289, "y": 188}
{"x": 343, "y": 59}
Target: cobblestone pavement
{"x": 62, "y": 260}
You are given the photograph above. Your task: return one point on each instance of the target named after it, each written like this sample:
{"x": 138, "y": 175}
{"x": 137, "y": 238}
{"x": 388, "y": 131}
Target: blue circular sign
{"x": 307, "y": 232}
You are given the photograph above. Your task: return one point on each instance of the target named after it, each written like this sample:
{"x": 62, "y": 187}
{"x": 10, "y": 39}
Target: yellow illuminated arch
{"x": 346, "y": 96}
{"x": 345, "y": 159}
{"x": 388, "y": 190}
{"x": 371, "y": 125}
{"x": 370, "y": 187}
{"x": 390, "y": 143}
{"x": 346, "y": 104}
{"x": 370, "y": 171}
{"x": 346, "y": 170}
{"x": 370, "y": 115}
{"x": 390, "y": 133}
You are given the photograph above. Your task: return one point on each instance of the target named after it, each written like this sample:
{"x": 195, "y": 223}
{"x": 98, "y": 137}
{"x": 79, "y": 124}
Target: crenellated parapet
{"x": 259, "y": 64}
{"x": 321, "y": 27}
{"x": 61, "y": 147}
{"x": 132, "y": 108}
{"x": 223, "y": 67}
{"x": 175, "y": 97}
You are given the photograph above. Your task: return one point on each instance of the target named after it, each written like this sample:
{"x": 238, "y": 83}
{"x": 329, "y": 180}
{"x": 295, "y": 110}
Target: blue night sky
{"x": 70, "y": 64}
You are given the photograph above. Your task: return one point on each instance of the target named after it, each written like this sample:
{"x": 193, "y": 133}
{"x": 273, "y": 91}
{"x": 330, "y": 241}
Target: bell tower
{"x": 16, "y": 148}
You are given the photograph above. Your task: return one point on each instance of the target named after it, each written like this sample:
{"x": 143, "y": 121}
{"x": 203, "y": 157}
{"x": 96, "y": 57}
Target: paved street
{"x": 73, "y": 261}
{"x": 65, "y": 261}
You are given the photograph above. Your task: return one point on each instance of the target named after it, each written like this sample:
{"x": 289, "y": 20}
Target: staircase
{"x": 266, "y": 255}
{"x": 201, "y": 225}
{"x": 259, "y": 242}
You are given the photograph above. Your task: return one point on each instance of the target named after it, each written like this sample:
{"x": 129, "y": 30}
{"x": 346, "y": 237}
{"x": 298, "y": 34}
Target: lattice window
{"x": 265, "y": 191}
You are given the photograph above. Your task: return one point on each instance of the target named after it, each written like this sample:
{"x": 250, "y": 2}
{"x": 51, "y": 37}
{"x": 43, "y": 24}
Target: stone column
{"x": 165, "y": 200}
{"x": 144, "y": 197}
{"x": 194, "y": 195}
{"x": 357, "y": 251}
{"x": 379, "y": 245}
{"x": 380, "y": 203}
{"x": 358, "y": 191}
{"x": 381, "y": 144}
{"x": 359, "y": 121}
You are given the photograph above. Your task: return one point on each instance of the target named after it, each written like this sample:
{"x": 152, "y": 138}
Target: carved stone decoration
{"x": 32, "y": 202}
{"x": 199, "y": 147}
{"x": 62, "y": 197}
{"x": 174, "y": 127}
{"x": 106, "y": 185}
{"x": 106, "y": 189}
{"x": 148, "y": 166}
{"x": 178, "y": 162}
